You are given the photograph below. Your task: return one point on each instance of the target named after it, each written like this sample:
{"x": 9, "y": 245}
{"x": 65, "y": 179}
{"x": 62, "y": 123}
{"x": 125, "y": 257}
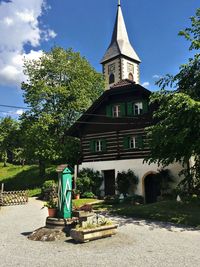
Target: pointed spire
{"x": 120, "y": 44}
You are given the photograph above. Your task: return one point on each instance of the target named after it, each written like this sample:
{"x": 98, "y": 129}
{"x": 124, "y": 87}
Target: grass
{"x": 16, "y": 177}
{"x": 80, "y": 202}
{"x": 187, "y": 213}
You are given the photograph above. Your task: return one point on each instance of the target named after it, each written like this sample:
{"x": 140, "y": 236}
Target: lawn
{"x": 187, "y": 213}
{"x": 16, "y": 177}
{"x": 80, "y": 202}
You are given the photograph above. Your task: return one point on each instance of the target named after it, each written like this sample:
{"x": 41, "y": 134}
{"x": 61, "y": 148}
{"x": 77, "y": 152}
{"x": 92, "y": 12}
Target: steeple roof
{"x": 120, "y": 44}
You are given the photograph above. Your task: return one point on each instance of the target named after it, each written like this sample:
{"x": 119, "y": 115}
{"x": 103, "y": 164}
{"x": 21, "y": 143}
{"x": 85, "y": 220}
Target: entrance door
{"x": 152, "y": 188}
{"x": 109, "y": 182}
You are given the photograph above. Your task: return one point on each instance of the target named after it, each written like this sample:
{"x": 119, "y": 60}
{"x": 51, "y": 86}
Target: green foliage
{"x": 126, "y": 180}
{"x": 60, "y": 86}
{"x": 25, "y": 177}
{"x": 88, "y": 195}
{"x": 49, "y": 184}
{"x": 8, "y": 137}
{"x": 51, "y": 204}
{"x": 175, "y": 135}
{"x": 89, "y": 181}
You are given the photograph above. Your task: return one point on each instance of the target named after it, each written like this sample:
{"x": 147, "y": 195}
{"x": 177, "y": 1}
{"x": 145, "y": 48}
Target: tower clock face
{"x": 130, "y": 68}
{"x": 111, "y": 68}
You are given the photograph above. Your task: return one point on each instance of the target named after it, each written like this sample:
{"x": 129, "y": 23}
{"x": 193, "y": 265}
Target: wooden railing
{"x": 13, "y": 198}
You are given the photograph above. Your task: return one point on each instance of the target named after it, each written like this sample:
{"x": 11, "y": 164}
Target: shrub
{"x": 88, "y": 195}
{"x": 126, "y": 181}
{"x": 49, "y": 190}
{"x": 89, "y": 181}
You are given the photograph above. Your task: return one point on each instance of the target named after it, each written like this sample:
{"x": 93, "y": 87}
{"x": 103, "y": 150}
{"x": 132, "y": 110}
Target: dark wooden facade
{"x": 96, "y": 124}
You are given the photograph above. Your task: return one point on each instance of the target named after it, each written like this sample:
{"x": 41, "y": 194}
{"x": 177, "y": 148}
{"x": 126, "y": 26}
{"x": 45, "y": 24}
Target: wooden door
{"x": 109, "y": 181}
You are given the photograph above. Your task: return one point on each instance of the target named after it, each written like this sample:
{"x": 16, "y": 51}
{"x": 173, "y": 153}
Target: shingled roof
{"x": 120, "y": 44}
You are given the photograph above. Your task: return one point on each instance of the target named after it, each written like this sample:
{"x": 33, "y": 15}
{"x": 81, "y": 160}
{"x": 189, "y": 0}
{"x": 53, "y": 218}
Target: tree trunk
{"x": 42, "y": 169}
{"x": 5, "y": 158}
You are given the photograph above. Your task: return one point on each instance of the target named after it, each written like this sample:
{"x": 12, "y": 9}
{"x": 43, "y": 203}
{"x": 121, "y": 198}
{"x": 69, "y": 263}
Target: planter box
{"x": 86, "y": 235}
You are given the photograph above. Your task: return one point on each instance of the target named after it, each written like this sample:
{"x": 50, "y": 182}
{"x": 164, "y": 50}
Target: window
{"x": 111, "y": 78}
{"x": 137, "y": 108}
{"x": 98, "y": 146}
{"x": 132, "y": 142}
{"x": 116, "y": 111}
{"x": 130, "y": 76}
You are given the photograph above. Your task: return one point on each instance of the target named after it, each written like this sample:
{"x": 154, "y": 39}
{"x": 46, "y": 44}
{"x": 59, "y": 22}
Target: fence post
{"x": 2, "y": 187}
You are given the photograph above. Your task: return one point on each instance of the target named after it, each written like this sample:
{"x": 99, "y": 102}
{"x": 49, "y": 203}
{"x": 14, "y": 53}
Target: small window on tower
{"x": 111, "y": 78}
{"x": 130, "y": 76}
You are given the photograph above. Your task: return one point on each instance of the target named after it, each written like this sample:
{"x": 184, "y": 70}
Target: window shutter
{"x": 92, "y": 145}
{"x": 129, "y": 108}
{"x": 122, "y": 109}
{"x": 104, "y": 145}
{"x": 139, "y": 142}
{"x": 109, "y": 111}
{"x": 126, "y": 142}
{"x": 145, "y": 106}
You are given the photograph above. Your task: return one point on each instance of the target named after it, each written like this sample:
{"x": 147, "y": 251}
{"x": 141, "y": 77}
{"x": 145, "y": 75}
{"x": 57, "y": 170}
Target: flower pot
{"x": 86, "y": 235}
{"x": 52, "y": 212}
{"x": 77, "y": 196}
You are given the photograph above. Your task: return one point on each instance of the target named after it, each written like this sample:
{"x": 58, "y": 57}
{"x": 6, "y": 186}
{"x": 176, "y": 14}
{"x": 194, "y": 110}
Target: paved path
{"x": 138, "y": 243}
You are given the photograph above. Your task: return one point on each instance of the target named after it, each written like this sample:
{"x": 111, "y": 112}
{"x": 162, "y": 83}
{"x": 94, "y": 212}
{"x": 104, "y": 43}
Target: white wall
{"x": 125, "y": 73}
{"x": 140, "y": 169}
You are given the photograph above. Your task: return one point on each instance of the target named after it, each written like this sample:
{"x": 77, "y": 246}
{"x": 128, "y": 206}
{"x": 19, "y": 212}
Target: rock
{"x": 47, "y": 234}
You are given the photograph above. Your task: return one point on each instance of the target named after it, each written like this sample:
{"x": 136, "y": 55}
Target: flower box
{"x": 85, "y": 235}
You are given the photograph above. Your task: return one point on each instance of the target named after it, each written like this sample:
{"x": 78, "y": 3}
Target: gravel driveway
{"x": 138, "y": 243}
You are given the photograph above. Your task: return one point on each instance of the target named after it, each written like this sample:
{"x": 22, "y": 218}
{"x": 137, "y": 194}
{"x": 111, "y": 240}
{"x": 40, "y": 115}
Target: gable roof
{"x": 122, "y": 87}
{"x": 120, "y": 44}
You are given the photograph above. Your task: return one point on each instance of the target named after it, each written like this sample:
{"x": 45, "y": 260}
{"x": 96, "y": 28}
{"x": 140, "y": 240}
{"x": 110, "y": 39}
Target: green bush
{"x": 88, "y": 195}
{"x": 49, "y": 190}
{"x": 49, "y": 184}
{"x": 89, "y": 181}
{"x": 125, "y": 181}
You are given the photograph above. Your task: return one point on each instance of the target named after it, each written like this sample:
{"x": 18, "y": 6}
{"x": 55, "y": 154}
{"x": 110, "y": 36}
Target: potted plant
{"x": 52, "y": 207}
{"x": 93, "y": 229}
{"x": 76, "y": 194}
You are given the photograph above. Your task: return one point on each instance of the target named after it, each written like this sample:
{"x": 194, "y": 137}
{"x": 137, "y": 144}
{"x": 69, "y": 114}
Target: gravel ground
{"x": 138, "y": 243}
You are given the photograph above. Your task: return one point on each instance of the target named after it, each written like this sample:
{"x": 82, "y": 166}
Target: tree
{"x": 8, "y": 137}
{"x": 60, "y": 86}
{"x": 175, "y": 137}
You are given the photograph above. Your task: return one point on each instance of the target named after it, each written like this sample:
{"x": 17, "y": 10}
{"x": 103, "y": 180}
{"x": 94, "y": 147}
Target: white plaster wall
{"x": 125, "y": 73}
{"x": 140, "y": 169}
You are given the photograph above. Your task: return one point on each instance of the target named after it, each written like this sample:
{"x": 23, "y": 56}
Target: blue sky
{"x": 28, "y": 27}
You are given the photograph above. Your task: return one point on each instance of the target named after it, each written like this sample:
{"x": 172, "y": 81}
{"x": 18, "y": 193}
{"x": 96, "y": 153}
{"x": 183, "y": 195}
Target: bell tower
{"x": 120, "y": 60}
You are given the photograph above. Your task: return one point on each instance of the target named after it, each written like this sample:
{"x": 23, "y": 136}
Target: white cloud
{"x": 19, "y": 112}
{"x": 156, "y": 76}
{"x": 145, "y": 84}
{"x": 19, "y": 26}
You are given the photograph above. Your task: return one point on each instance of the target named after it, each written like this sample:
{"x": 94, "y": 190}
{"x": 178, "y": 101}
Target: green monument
{"x": 65, "y": 174}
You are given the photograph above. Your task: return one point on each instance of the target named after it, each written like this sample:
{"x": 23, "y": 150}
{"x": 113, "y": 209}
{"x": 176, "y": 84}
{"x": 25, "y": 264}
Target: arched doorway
{"x": 151, "y": 188}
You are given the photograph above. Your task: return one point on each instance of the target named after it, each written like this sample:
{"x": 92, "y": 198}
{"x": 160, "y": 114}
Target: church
{"x": 112, "y": 130}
